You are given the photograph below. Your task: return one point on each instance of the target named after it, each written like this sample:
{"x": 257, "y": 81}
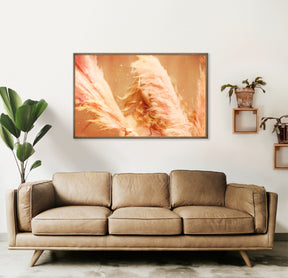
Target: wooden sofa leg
{"x": 245, "y": 257}
{"x": 35, "y": 257}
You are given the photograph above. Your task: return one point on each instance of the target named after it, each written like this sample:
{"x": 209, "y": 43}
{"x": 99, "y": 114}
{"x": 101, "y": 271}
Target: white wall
{"x": 243, "y": 38}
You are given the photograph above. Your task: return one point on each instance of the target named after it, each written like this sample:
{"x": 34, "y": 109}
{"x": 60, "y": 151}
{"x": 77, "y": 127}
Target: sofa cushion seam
{"x": 144, "y": 218}
{"x": 60, "y": 219}
{"x": 236, "y": 218}
{"x": 69, "y": 234}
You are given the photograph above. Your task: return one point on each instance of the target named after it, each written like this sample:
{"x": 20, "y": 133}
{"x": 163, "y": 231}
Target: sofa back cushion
{"x": 82, "y": 188}
{"x": 140, "y": 190}
{"x": 188, "y": 188}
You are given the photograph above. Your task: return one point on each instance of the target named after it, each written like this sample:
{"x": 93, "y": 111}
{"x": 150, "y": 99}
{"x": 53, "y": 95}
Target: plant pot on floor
{"x": 244, "y": 97}
{"x": 282, "y": 133}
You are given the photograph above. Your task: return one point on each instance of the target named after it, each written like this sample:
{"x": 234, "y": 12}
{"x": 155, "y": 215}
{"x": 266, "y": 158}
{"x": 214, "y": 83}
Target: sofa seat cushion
{"x": 214, "y": 220}
{"x": 71, "y": 220}
{"x": 144, "y": 221}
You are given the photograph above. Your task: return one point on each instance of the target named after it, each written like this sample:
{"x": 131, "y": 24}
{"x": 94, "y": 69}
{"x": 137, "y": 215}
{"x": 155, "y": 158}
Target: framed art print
{"x": 140, "y": 95}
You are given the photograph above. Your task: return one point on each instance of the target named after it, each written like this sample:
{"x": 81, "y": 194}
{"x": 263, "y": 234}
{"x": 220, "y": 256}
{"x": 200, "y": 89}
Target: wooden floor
{"x": 90, "y": 264}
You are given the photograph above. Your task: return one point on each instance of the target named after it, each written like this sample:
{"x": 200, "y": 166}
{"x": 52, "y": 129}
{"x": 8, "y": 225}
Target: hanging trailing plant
{"x": 276, "y": 125}
{"x": 15, "y": 126}
{"x": 281, "y": 128}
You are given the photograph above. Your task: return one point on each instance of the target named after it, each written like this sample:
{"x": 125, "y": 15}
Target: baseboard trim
{"x": 281, "y": 237}
{"x": 277, "y": 237}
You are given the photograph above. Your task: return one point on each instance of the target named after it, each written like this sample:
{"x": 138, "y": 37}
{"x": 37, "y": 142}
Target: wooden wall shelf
{"x": 236, "y": 113}
{"x": 277, "y": 148}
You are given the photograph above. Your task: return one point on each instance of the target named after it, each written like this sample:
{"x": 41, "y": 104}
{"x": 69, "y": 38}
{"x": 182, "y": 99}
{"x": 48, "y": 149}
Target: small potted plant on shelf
{"x": 280, "y": 128}
{"x": 245, "y": 95}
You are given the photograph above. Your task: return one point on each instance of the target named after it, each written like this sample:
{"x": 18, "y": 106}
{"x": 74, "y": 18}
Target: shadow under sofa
{"x": 186, "y": 210}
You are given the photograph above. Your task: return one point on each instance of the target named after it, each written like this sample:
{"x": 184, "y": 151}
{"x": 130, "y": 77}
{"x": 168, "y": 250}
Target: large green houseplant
{"x": 15, "y": 126}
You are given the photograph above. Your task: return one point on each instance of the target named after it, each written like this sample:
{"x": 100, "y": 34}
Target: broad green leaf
{"x": 32, "y": 118}
{"x": 40, "y": 108}
{"x": 30, "y": 102}
{"x": 23, "y": 118}
{"x": 9, "y": 125}
{"x": 6, "y": 102}
{"x": 37, "y": 108}
{"x": 24, "y": 151}
{"x": 6, "y": 137}
{"x": 36, "y": 164}
{"x": 15, "y": 101}
{"x": 41, "y": 133}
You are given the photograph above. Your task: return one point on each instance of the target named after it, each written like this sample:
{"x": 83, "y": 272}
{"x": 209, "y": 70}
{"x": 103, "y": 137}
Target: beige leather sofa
{"x": 188, "y": 210}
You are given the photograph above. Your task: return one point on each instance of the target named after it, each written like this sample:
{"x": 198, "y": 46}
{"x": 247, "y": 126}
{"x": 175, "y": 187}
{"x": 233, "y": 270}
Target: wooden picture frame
{"x": 144, "y": 95}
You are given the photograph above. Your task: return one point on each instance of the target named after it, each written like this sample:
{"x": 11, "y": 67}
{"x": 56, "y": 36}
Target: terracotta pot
{"x": 245, "y": 97}
{"x": 283, "y": 134}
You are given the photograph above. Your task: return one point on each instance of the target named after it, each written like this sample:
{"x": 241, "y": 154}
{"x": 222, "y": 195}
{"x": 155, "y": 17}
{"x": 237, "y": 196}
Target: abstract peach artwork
{"x": 145, "y": 95}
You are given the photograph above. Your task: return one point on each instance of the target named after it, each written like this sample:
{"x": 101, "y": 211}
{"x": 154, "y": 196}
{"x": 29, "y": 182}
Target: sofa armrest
{"x": 33, "y": 198}
{"x": 42, "y": 197}
{"x": 11, "y": 217}
{"x": 272, "y": 199}
{"x": 251, "y": 199}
